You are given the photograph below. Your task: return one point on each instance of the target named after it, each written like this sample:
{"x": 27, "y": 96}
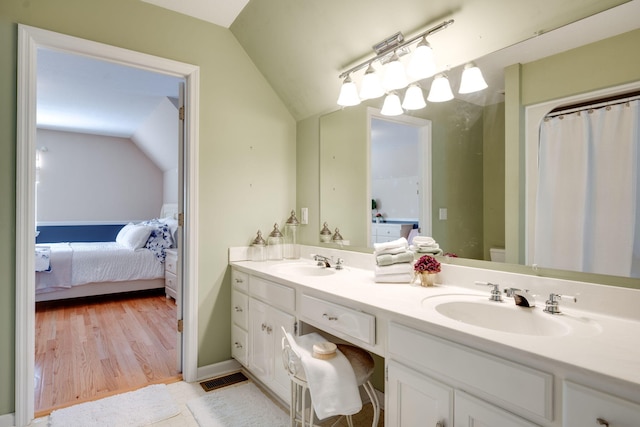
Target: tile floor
{"x": 183, "y": 392}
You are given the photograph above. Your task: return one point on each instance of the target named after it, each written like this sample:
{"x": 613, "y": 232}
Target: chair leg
{"x": 349, "y": 421}
{"x": 368, "y": 387}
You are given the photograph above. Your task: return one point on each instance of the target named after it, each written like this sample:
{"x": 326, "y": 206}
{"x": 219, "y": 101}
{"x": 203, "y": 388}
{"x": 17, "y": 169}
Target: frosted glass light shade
{"x": 472, "y": 79}
{"x": 371, "y": 87}
{"x": 394, "y": 75}
{"x": 348, "y": 93}
{"x": 413, "y": 98}
{"x": 440, "y": 89}
{"x": 391, "y": 106}
{"x": 421, "y": 65}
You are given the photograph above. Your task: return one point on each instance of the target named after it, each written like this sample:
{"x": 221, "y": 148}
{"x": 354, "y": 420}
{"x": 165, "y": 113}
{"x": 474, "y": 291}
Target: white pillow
{"x": 123, "y": 231}
{"x": 135, "y": 237}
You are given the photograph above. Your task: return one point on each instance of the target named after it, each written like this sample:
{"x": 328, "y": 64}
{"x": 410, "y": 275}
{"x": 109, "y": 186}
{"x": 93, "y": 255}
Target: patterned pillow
{"x": 159, "y": 239}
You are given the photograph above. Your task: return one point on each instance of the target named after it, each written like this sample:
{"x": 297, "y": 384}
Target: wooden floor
{"x": 94, "y": 348}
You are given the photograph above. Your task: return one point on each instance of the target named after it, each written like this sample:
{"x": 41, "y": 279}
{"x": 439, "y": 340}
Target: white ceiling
{"x": 219, "y": 12}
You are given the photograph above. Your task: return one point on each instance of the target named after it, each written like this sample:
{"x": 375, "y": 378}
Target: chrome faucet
{"x": 552, "y": 304}
{"x": 495, "y": 291}
{"x": 323, "y": 261}
{"x": 522, "y": 297}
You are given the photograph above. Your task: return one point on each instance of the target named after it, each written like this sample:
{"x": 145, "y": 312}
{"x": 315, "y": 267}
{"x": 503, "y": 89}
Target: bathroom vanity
{"x": 452, "y": 357}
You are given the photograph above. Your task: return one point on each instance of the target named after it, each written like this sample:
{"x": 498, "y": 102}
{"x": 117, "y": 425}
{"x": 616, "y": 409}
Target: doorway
{"x": 31, "y": 39}
{"x": 400, "y": 171}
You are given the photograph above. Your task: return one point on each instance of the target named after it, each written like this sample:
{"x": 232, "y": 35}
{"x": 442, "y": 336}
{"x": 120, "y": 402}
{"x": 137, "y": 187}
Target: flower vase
{"x": 427, "y": 279}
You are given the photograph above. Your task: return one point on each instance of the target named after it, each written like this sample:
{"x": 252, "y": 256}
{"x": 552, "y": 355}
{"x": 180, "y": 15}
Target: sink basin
{"x": 505, "y": 316}
{"x": 302, "y": 269}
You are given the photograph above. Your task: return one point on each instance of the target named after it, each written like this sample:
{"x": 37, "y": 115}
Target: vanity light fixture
{"x": 440, "y": 89}
{"x": 348, "y": 93}
{"x": 472, "y": 79}
{"x": 413, "y": 98}
{"x": 391, "y": 106}
{"x": 421, "y": 65}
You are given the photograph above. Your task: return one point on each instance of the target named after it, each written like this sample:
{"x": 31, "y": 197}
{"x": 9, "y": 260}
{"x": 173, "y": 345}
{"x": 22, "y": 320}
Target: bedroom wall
{"x": 95, "y": 179}
{"x": 243, "y": 127}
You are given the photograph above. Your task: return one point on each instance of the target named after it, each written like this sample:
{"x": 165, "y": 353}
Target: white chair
{"x": 362, "y": 364}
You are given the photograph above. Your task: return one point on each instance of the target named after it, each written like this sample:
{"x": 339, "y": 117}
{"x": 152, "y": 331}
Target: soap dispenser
{"x": 337, "y": 237}
{"x": 291, "y": 247}
{"x": 275, "y": 243}
{"x": 258, "y": 248}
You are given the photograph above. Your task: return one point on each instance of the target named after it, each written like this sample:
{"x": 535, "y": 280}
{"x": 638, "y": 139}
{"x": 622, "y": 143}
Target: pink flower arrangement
{"x": 427, "y": 264}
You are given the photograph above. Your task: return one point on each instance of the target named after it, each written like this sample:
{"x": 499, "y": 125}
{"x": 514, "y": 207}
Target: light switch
{"x": 304, "y": 215}
{"x": 443, "y": 214}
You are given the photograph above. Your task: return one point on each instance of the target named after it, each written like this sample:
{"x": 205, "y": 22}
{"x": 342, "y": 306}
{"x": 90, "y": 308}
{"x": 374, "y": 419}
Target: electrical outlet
{"x": 443, "y": 214}
{"x": 304, "y": 216}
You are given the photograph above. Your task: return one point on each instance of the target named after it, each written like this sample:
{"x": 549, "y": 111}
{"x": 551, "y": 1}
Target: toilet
{"x": 497, "y": 254}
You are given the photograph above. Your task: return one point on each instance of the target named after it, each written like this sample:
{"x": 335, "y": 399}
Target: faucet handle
{"x": 496, "y": 295}
{"x": 552, "y": 305}
{"x": 339, "y": 264}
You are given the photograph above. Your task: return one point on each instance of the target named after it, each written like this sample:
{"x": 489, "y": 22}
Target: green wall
{"x": 247, "y": 142}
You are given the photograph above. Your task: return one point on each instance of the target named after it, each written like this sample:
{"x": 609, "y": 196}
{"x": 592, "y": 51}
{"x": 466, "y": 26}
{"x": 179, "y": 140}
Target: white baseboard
{"x": 216, "y": 370}
{"x": 7, "y": 420}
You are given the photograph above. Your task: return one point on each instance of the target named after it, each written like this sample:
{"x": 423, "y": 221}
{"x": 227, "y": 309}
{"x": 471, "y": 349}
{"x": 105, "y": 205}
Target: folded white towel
{"x": 332, "y": 382}
{"x": 400, "y": 243}
{"x": 423, "y": 240}
{"x": 391, "y": 251}
{"x": 381, "y": 270}
{"x": 394, "y": 278}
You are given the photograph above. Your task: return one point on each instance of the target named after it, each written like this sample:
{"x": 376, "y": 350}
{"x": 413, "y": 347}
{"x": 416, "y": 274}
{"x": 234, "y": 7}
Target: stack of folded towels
{"x": 394, "y": 261}
{"x": 425, "y": 245}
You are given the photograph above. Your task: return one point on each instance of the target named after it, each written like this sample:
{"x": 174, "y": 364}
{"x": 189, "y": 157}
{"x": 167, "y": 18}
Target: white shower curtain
{"x": 587, "y": 216}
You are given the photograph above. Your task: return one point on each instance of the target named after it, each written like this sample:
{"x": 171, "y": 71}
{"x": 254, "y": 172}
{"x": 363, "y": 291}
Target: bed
{"x": 133, "y": 262}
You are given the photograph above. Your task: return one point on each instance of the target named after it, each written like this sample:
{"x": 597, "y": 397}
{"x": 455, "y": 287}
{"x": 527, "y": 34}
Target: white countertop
{"x": 603, "y": 344}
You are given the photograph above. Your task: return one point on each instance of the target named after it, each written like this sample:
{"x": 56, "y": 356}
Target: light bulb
{"x": 348, "y": 93}
{"x": 472, "y": 79}
{"x": 413, "y": 98}
{"x": 440, "y": 89}
{"x": 422, "y": 65}
{"x": 394, "y": 75}
{"x": 391, "y": 106}
{"x": 371, "y": 87}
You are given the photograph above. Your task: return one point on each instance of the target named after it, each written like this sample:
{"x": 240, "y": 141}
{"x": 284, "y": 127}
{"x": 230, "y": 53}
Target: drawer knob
{"x": 329, "y": 317}
{"x": 238, "y": 345}
{"x": 440, "y": 424}
{"x": 236, "y": 308}
{"x": 602, "y": 422}
{"x": 239, "y": 280}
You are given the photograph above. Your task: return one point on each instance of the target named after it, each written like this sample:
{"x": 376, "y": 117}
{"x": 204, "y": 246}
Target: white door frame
{"x": 426, "y": 220}
{"x": 29, "y": 40}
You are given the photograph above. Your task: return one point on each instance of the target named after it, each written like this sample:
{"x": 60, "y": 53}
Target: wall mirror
{"x": 468, "y": 146}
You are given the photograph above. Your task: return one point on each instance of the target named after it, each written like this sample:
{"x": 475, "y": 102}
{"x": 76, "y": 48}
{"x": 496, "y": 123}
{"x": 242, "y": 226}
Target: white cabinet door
{"x": 472, "y": 412}
{"x": 260, "y": 341}
{"x": 583, "y": 406}
{"x": 265, "y": 348}
{"x": 414, "y": 399}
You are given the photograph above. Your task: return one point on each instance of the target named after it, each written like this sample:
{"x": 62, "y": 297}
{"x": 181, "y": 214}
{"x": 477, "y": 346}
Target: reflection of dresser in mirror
{"x": 170, "y": 271}
{"x": 381, "y": 233}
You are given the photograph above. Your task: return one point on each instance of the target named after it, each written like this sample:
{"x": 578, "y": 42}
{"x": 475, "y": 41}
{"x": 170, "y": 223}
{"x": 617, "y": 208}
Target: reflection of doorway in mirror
{"x": 400, "y": 176}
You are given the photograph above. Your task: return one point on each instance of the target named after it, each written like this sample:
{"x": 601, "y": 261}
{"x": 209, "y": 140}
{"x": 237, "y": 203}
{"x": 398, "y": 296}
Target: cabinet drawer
{"x": 583, "y": 406}
{"x": 170, "y": 281}
{"x": 338, "y": 318}
{"x": 275, "y": 294}
{"x": 389, "y": 230}
{"x": 171, "y": 263}
{"x": 239, "y": 348}
{"x": 240, "y": 309}
{"x": 509, "y": 384}
{"x": 240, "y": 280}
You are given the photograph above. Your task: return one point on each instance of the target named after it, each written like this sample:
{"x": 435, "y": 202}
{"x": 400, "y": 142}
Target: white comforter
{"x": 74, "y": 264}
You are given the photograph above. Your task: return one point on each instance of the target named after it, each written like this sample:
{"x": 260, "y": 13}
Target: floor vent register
{"x": 216, "y": 383}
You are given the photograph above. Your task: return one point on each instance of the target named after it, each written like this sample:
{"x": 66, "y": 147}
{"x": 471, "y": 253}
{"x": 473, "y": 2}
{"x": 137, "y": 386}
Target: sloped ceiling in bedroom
{"x": 85, "y": 95}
